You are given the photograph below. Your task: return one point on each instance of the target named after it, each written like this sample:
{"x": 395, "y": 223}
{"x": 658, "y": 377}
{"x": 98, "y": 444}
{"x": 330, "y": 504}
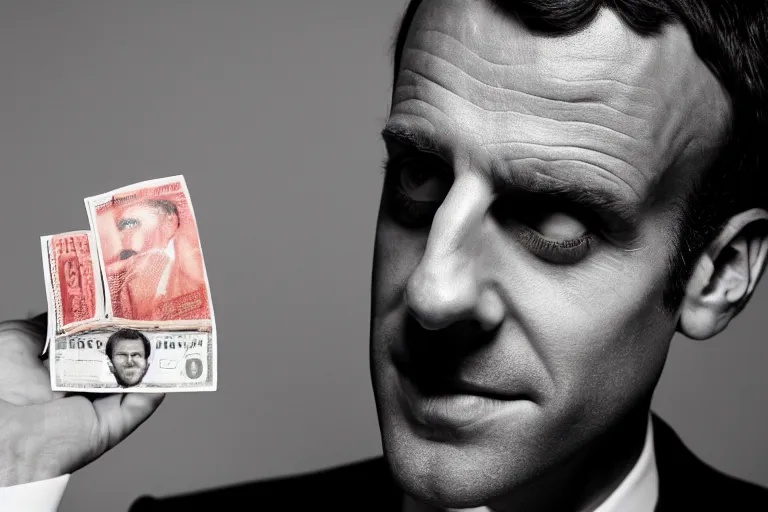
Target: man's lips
{"x": 444, "y": 403}
{"x": 435, "y": 382}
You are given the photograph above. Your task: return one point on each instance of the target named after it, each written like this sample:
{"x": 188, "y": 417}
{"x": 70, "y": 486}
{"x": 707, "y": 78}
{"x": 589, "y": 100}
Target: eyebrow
{"x": 413, "y": 139}
{"x": 619, "y": 212}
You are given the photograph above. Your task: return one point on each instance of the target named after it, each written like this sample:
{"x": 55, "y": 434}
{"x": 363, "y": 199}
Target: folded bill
{"x": 129, "y": 305}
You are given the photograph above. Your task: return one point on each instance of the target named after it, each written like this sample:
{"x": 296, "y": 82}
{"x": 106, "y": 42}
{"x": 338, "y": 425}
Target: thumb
{"x": 120, "y": 414}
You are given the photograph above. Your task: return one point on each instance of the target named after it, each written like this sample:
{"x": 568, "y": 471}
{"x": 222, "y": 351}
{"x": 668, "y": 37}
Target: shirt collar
{"x": 639, "y": 491}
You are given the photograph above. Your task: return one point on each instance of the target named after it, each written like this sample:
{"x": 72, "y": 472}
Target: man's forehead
{"x": 126, "y": 344}
{"x": 663, "y": 96}
{"x": 604, "y": 48}
{"x": 136, "y": 209}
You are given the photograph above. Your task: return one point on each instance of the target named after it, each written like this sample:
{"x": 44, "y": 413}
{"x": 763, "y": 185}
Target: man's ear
{"x": 725, "y": 276}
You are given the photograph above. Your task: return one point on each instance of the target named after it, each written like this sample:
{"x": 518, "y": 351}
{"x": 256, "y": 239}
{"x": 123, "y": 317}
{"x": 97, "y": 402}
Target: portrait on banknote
{"x": 128, "y": 352}
{"x": 129, "y": 301}
{"x": 150, "y": 252}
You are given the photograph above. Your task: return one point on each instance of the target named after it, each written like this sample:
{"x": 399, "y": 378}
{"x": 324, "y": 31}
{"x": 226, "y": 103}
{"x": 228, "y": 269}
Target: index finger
{"x": 32, "y": 331}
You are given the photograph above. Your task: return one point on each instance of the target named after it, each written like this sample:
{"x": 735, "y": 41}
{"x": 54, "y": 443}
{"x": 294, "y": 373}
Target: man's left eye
{"x": 558, "y": 226}
{"x": 552, "y": 231}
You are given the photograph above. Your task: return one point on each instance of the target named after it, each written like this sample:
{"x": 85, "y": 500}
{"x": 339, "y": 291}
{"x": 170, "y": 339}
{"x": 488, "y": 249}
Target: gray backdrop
{"x": 271, "y": 110}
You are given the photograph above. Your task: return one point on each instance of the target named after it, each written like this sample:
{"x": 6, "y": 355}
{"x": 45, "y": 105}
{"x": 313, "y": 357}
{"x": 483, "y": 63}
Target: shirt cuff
{"x": 40, "y": 496}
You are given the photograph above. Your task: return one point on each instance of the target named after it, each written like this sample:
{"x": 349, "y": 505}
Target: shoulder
{"x": 353, "y": 485}
{"x": 686, "y": 480}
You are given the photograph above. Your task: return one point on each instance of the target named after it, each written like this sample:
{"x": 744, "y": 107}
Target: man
{"x": 152, "y": 271}
{"x": 128, "y": 353}
{"x": 569, "y": 183}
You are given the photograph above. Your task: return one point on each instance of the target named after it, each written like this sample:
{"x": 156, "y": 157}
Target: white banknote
{"x": 130, "y": 359}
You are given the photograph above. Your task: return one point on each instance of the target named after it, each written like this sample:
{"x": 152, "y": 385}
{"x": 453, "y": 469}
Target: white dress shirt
{"x": 638, "y": 492}
{"x": 42, "y": 496}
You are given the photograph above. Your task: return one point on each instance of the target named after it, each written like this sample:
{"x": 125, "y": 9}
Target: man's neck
{"x": 583, "y": 483}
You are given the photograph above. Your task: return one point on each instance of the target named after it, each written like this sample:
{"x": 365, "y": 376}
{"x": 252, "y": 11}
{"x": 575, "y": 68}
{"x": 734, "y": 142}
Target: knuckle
{"x": 15, "y": 330}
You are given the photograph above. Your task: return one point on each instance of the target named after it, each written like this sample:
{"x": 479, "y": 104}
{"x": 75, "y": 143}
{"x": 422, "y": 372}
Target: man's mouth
{"x": 434, "y": 382}
{"x": 439, "y": 398}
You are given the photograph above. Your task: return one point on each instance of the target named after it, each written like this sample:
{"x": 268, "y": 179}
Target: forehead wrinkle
{"x": 512, "y": 151}
{"x": 431, "y": 65}
{"x": 532, "y": 77}
{"x": 612, "y": 155}
{"x": 494, "y": 98}
{"x": 571, "y": 157}
{"x": 416, "y": 88}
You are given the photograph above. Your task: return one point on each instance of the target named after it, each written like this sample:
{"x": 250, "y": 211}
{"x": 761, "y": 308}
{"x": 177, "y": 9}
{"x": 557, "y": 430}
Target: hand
{"x": 44, "y": 434}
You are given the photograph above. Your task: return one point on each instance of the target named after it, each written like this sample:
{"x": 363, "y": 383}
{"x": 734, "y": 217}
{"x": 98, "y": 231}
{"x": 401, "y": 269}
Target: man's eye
{"x": 557, "y": 238}
{"x": 559, "y": 226}
{"x": 127, "y": 223}
{"x": 423, "y": 184}
{"x": 415, "y": 190}
{"x": 553, "y": 234}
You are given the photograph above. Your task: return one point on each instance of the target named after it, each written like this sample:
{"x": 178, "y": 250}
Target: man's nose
{"x": 450, "y": 284}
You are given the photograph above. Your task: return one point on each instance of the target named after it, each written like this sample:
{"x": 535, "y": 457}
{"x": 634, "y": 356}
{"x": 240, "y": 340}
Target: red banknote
{"x": 150, "y": 253}
{"x": 73, "y": 281}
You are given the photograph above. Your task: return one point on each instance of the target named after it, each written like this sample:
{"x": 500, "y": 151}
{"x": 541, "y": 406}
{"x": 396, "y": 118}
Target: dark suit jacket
{"x": 685, "y": 484}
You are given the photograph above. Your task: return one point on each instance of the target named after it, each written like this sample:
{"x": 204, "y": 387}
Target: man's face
{"x": 142, "y": 228}
{"x": 522, "y": 252}
{"x": 130, "y": 361}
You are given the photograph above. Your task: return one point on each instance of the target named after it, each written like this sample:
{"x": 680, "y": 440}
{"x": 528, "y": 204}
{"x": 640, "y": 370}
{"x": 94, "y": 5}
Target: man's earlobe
{"x": 725, "y": 276}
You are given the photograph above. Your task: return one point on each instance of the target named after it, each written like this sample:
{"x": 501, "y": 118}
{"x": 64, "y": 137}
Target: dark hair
{"x": 126, "y": 334}
{"x": 731, "y": 38}
{"x": 165, "y": 206}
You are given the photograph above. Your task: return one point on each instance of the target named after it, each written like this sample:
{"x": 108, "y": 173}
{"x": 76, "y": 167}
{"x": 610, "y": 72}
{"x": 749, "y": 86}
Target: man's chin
{"x": 450, "y": 484}
{"x": 128, "y": 382}
{"x": 455, "y": 473}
